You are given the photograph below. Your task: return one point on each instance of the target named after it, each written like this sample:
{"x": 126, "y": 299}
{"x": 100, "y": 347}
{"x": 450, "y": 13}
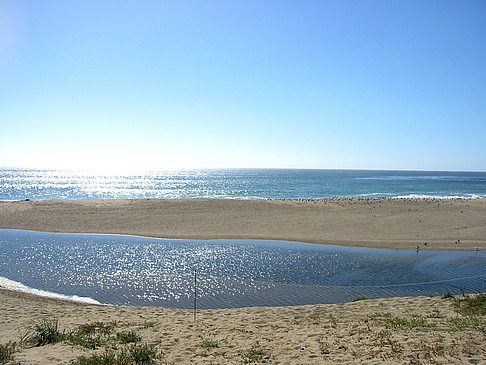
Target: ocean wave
{"x": 439, "y": 178}
{"x": 431, "y": 196}
{"x": 19, "y": 287}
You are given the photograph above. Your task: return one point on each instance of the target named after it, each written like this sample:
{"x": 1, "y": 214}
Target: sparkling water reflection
{"x": 126, "y": 270}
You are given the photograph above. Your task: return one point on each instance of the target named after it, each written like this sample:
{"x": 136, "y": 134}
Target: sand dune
{"x": 398, "y": 330}
{"x": 382, "y": 223}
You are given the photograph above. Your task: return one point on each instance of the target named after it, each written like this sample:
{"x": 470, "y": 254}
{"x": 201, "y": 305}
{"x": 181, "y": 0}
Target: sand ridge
{"x": 432, "y": 224}
{"x": 363, "y": 332}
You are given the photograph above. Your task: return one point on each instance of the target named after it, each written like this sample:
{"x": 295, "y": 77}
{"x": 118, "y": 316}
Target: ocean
{"x": 19, "y": 184}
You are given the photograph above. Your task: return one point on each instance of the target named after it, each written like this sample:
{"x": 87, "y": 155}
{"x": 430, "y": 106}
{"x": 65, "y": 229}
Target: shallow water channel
{"x": 127, "y": 270}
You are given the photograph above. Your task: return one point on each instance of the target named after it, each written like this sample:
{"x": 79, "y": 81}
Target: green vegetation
{"x": 107, "y": 358}
{"x": 127, "y": 337}
{"x": 90, "y": 336}
{"x": 459, "y": 324}
{"x": 86, "y": 341}
{"x": 210, "y": 345}
{"x": 45, "y": 332}
{"x": 135, "y": 354}
{"x": 142, "y": 354}
{"x": 417, "y": 321}
{"x": 254, "y": 355}
{"x": 471, "y": 305}
{"x": 96, "y": 328}
{"x": 7, "y": 351}
{"x": 357, "y": 299}
{"x": 96, "y": 334}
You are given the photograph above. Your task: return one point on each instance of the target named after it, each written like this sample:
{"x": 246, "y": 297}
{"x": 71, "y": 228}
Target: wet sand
{"x": 430, "y": 224}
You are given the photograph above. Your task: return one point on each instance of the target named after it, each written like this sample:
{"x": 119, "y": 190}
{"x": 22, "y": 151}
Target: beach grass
{"x": 254, "y": 355}
{"x": 209, "y": 345}
{"x": 397, "y": 330}
{"x": 469, "y": 305}
{"x": 7, "y": 351}
{"x": 45, "y": 331}
{"x": 135, "y": 354}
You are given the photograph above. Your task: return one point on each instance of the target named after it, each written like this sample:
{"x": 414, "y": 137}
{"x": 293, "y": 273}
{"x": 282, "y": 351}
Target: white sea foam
{"x": 431, "y": 196}
{"x": 16, "y": 286}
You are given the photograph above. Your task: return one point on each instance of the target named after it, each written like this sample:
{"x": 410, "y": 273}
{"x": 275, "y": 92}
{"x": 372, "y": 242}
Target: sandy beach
{"x": 454, "y": 224}
{"x": 419, "y": 330}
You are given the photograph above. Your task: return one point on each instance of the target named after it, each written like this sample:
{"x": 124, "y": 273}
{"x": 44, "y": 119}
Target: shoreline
{"x": 458, "y": 249}
{"x": 387, "y": 223}
{"x": 387, "y": 330}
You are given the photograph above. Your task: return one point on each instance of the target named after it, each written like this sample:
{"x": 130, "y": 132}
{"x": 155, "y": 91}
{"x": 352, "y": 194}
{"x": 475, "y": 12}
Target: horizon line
{"x": 111, "y": 171}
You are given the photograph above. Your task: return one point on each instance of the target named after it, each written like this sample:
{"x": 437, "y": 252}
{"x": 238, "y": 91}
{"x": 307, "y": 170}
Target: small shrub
{"x": 7, "y": 351}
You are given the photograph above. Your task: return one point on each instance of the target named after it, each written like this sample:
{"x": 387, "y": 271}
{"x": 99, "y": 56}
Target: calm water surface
{"x": 126, "y": 270}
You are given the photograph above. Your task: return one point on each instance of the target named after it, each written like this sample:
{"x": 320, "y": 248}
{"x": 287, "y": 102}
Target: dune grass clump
{"x": 471, "y": 305}
{"x": 108, "y": 358}
{"x": 7, "y": 351}
{"x": 90, "y": 335}
{"x": 96, "y": 328}
{"x": 135, "y": 354}
{"x": 44, "y": 332}
{"x": 459, "y": 324}
{"x": 127, "y": 337}
{"x": 393, "y": 322}
{"x": 142, "y": 354}
{"x": 86, "y": 341}
{"x": 96, "y": 334}
{"x": 254, "y": 355}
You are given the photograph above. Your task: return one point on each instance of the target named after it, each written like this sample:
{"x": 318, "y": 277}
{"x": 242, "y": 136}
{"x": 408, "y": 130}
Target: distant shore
{"x": 430, "y": 224}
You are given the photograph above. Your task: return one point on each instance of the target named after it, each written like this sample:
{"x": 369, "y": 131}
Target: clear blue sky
{"x": 207, "y": 84}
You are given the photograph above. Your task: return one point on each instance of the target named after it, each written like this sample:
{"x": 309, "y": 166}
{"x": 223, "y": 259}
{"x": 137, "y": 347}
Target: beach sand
{"x": 454, "y": 224}
{"x": 419, "y": 330}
